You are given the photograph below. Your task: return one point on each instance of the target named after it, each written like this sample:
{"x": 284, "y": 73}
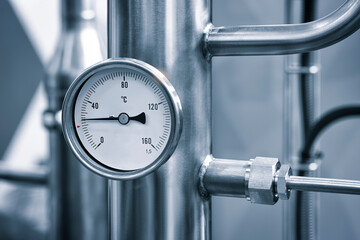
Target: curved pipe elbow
{"x": 284, "y": 38}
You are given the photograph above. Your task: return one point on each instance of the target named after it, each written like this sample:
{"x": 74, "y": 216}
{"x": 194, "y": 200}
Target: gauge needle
{"x": 140, "y": 118}
{"x": 109, "y": 118}
{"x": 123, "y": 118}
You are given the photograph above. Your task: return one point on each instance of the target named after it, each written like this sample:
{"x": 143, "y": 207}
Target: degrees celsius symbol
{"x": 122, "y": 118}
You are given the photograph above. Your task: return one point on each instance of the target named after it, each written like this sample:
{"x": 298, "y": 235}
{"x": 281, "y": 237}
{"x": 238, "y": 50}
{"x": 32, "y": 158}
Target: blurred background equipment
{"x": 40, "y": 194}
{"x": 76, "y": 198}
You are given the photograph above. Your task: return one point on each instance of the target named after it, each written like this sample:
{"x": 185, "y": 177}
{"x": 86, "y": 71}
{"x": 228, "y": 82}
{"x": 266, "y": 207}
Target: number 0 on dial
{"x": 122, "y": 118}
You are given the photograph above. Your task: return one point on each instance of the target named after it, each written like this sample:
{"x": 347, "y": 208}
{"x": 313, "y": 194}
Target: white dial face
{"x": 123, "y": 118}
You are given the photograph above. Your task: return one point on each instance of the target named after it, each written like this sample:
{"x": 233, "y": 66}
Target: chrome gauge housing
{"x": 122, "y": 118}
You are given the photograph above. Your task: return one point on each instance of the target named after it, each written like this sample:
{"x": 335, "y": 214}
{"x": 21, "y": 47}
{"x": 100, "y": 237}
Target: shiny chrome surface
{"x": 168, "y": 35}
{"x": 284, "y": 39}
{"x": 261, "y": 185}
{"x": 224, "y": 177}
{"x": 253, "y": 179}
{"x": 77, "y": 196}
{"x": 329, "y": 185}
{"x": 73, "y": 140}
{"x": 281, "y": 177}
{"x": 263, "y": 180}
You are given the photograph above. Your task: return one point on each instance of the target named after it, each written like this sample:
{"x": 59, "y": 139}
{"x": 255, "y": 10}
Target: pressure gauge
{"x": 122, "y": 118}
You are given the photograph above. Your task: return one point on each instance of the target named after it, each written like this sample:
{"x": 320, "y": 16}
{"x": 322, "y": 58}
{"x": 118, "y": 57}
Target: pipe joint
{"x": 51, "y": 119}
{"x": 254, "y": 179}
{"x": 281, "y": 178}
{"x": 262, "y": 180}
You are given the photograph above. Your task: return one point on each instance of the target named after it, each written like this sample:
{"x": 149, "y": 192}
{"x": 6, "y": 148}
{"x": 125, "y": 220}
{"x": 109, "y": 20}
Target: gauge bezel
{"x": 80, "y": 151}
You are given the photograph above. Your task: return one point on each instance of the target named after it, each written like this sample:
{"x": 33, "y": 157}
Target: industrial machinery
{"x": 148, "y": 210}
{"x": 142, "y": 118}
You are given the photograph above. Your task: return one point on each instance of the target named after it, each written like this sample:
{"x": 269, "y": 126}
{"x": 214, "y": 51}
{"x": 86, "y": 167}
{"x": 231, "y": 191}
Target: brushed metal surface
{"x": 168, "y": 35}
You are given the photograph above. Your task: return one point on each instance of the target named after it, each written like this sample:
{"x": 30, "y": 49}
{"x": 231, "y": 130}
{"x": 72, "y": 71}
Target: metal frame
{"x": 69, "y": 129}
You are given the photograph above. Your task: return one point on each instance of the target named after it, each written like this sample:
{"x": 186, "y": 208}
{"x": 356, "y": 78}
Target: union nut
{"x": 261, "y": 183}
{"x": 282, "y": 177}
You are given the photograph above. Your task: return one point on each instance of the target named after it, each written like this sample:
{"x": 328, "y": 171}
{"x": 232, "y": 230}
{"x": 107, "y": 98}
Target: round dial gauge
{"x": 122, "y": 118}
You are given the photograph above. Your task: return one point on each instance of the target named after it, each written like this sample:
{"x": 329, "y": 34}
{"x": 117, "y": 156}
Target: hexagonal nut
{"x": 261, "y": 185}
{"x": 282, "y": 176}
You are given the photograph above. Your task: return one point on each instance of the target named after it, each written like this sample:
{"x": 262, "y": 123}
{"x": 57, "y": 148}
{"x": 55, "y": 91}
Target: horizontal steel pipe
{"x": 9, "y": 173}
{"x": 285, "y": 38}
{"x": 323, "y": 185}
{"x": 225, "y": 177}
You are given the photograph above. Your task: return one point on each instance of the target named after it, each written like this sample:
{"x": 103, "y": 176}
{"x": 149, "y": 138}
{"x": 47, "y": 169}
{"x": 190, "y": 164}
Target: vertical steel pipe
{"x": 301, "y": 106}
{"x": 78, "y": 198}
{"x": 168, "y": 35}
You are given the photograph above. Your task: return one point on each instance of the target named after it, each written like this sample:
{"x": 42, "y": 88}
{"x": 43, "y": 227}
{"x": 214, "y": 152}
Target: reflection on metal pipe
{"x": 262, "y": 180}
{"x": 328, "y": 185}
{"x": 78, "y": 198}
{"x": 224, "y": 177}
{"x": 284, "y": 39}
{"x": 167, "y": 204}
{"x": 253, "y": 179}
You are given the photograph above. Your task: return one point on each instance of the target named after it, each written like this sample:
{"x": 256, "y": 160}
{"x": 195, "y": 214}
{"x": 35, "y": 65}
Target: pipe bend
{"x": 284, "y": 38}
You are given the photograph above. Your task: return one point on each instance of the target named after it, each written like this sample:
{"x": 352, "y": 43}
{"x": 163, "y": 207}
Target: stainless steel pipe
{"x": 168, "y": 35}
{"x": 78, "y": 197}
{"x": 224, "y": 177}
{"x": 263, "y": 180}
{"x": 38, "y": 176}
{"x": 329, "y": 185}
{"x": 284, "y": 38}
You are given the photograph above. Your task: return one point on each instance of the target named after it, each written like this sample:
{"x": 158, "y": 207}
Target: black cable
{"x": 309, "y": 8}
{"x": 324, "y": 122}
{"x": 303, "y": 199}
{"x": 307, "y": 94}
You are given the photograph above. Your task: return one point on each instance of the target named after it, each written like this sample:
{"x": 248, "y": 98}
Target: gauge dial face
{"x": 123, "y": 118}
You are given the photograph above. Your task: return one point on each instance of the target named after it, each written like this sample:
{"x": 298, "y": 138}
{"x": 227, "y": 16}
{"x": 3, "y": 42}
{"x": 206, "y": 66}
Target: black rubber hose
{"x": 306, "y": 80}
{"x": 304, "y": 201}
{"x": 324, "y": 122}
{"x": 307, "y": 94}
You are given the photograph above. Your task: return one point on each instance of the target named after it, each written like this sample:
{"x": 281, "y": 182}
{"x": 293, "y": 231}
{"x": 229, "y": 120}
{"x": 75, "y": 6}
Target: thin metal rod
{"x": 38, "y": 176}
{"x": 329, "y": 185}
{"x": 284, "y": 38}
